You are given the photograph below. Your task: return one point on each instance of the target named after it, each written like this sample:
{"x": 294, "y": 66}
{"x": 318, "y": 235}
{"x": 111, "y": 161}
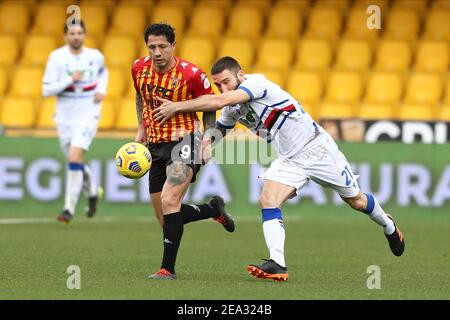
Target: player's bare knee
{"x": 75, "y": 157}
{"x": 169, "y": 202}
{"x": 358, "y": 203}
{"x": 267, "y": 200}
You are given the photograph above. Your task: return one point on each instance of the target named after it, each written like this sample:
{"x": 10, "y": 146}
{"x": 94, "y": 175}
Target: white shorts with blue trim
{"x": 77, "y": 121}
{"x": 320, "y": 161}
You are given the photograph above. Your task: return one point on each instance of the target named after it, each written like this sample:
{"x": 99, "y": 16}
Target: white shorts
{"x": 76, "y": 122}
{"x": 320, "y": 161}
{"x": 72, "y": 135}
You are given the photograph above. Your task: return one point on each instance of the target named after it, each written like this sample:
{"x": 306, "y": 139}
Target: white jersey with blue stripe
{"x": 272, "y": 114}
{"x": 62, "y": 64}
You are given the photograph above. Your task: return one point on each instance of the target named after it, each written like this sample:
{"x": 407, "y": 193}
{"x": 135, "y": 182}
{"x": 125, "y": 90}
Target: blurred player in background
{"x": 78, "y": 77}
{"x": 175, "y": 145}
{"x": 305, "y": 152}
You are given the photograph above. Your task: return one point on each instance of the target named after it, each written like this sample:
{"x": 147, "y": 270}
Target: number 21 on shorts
{"x": 348, "y": 176}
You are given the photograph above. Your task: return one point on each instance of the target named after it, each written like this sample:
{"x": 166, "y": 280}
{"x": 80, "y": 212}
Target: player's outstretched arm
{"x": 209, "y": 102}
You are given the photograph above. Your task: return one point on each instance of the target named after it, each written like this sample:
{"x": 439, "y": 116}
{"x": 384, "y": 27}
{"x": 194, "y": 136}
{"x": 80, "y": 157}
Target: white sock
{"x": 377, "y": 214}
{"x": 274, "y": 234}
{"x": 89, "y": 187}
{"x": 74, "y": 185}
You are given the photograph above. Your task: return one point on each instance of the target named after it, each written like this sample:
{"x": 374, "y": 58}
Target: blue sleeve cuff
{"x": 252, "y": 97}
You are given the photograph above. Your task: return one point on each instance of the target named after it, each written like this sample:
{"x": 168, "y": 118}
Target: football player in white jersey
{"x": 78, "y": 77}
{"x": 305, "y": 152}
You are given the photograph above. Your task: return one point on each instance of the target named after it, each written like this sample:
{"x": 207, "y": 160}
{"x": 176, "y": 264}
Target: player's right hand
{"x": 77, "y": 75}
{"x": 166, "y": 110}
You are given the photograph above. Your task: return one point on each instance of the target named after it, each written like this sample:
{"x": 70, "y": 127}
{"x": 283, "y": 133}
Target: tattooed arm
{"x": 140, "y": 135}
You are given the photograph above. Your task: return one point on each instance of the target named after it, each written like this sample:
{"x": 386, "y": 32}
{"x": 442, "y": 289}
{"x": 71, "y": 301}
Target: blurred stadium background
{"x": 321, "y": 51}
{"x": 346, "y": 75}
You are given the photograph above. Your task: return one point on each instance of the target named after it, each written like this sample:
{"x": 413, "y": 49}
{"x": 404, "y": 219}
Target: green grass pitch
{"x": 327, "y": 255}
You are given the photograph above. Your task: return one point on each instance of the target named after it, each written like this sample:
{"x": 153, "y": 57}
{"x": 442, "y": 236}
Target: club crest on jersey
{"x": 174, "y": 82}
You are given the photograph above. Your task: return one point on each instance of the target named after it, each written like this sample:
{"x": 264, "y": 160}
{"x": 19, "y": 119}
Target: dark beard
{"x": 238, "y": 83}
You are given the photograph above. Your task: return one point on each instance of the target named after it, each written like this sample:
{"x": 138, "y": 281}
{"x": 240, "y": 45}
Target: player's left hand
{"x": 98, "y": 97}
{"x": 166, "y": 110}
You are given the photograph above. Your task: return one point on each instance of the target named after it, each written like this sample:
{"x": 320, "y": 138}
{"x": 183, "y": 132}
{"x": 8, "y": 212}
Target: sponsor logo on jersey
{"x": 147, "y": 89}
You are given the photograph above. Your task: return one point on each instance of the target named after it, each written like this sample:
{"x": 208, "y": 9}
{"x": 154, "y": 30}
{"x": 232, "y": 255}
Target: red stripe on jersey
{"x": 178, "y": 97}
{"x": 274, "y": 114}
{"x": 152, "y": 125}
{"x": 186, "y": 115}
{"x": 170, "y": 123}
{"x": 160, "y": 128}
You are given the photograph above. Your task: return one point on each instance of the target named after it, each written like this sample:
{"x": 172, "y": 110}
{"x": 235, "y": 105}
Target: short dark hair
{"x": 160, "y": 29}
{"x": 72, "y": 23}
{"x": 225, "y": 63}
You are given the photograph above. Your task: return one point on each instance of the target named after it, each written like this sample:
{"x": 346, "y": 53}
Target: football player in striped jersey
{"x": 174, "y": 145}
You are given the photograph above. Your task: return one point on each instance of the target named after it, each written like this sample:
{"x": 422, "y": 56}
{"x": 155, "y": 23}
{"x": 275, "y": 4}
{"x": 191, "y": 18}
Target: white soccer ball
{"x": 133, "y": 160}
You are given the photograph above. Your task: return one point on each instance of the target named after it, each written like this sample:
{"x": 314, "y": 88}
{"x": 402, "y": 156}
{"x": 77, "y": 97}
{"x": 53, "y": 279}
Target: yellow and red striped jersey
{"x": 183, "y": 82}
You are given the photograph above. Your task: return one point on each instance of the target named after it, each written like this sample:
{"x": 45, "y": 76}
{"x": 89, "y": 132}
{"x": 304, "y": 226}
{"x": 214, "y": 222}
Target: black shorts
{"x": 163, "y": 154}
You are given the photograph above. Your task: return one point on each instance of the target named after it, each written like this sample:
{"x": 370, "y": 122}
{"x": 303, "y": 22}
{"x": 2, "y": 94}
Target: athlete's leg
{"x": 337, "y": 173}
{"x": 93, "y": 192}
{"x": 90, "y": 188}
{"x": 74, "y": 181}
{"x": 367, "y": 203}
{"x": 179, "y": 176}
{"x": 281, "y": 181}
{"x": 213, "y": 209}
{"x": 65, "y": 136}
{"x": 156, "y": 202}
{"x": 332, "y": 169}
{"x": 274, "y": 194}
{"x": 79, "y": 133}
